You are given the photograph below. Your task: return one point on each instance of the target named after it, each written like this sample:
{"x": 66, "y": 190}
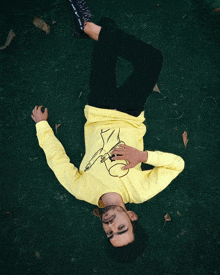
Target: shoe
{"x": 81, "y": 14}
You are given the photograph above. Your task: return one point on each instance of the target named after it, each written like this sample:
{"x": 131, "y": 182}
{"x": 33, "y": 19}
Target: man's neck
{"x": 112, "y": 199}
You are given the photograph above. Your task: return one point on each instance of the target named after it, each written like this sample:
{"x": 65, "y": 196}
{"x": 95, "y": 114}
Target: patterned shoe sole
{"x": 81, "y": 12}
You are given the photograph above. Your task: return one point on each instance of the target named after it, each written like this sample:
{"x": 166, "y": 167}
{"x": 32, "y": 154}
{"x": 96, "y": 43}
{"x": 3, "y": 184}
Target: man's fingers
{"x": 35, "y": 109}
{"x": 122, "y": 148}
{"x": 127, "y": 166}
{"x": 39, "y": 108}
{"x": 117, "y": 151}
{"x": 122, "y": 145}
{"x": 118, "y": 157}
{"x": 33, "y": 117}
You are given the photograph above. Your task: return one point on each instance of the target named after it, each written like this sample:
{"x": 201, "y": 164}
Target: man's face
{"x": 117, "y": 225}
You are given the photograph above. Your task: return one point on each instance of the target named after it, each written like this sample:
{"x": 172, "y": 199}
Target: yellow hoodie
{"x": 97, "y": 175}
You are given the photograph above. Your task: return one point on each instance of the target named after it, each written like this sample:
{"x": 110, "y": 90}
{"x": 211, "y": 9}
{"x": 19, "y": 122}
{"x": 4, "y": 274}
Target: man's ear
{"x": 132, "y": 215}
{"x": 97, "y": 213}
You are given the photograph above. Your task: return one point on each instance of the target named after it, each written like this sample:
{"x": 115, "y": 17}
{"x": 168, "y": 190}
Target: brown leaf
{"x": 167, "y": 218}
{"x": 57, "y": 126}
{"x": 41, "y": 24}
{"x": 156, "y": 89}
{"x": 37, "y": 255}
{"x": 9, "y": 213}
{"x": 217, "y": 9}
{"x": 185, "y": 140}
{"x": 10, "y": 37}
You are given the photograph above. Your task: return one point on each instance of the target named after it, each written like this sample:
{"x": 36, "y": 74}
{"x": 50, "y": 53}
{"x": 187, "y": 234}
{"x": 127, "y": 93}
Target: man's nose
{"x": 111, "y": 223}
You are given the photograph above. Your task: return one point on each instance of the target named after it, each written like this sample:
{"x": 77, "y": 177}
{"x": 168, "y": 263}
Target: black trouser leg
{"x": 147, "y": 63}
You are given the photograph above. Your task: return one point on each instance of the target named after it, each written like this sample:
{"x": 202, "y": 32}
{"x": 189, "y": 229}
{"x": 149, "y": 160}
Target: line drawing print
{"x": 110, "y": 139}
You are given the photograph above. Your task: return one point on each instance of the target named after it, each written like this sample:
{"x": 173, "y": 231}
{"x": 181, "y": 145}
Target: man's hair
{"x": 130, "y": 252}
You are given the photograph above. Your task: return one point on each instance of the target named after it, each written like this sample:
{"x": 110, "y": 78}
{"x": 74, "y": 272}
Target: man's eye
{"x": 109, "y": 233}
{"x": 121, "y": 227}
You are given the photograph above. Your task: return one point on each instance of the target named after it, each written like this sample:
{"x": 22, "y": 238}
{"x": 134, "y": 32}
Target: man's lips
{"x": 108, "y": 219}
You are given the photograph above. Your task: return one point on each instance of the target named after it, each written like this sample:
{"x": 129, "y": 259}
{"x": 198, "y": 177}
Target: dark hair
{"x": 130, "y": 252}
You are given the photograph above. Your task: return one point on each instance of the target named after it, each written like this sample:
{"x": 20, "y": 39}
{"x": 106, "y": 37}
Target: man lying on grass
{"x": 110, "y": 174}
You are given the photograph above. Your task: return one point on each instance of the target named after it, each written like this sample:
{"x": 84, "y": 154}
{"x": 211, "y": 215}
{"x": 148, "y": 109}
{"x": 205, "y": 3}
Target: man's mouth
{"x": 108, "y": 219}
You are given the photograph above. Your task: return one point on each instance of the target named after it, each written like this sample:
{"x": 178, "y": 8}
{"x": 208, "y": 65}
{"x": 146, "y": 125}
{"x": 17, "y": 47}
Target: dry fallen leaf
{"x": 167, "y": 218}
{"x": 156, "y": 89}
{"x": 41, "y": 24}
{"x": 217, "y": 9}
{"x": 57, "y": 126}
{"x": 9, "y": 213}
{"x": 37, "y": 255}
{"x": 185, "y": 140}
{"x": 10, "y": 37}
{"x": 183, "y": 232}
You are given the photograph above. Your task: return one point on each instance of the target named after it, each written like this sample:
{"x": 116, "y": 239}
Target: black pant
{"x": 147, "y": 63}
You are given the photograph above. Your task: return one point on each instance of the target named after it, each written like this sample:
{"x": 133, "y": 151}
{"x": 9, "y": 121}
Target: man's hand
{"x": 132, "y": 155}
{"x": 37, "y": 114}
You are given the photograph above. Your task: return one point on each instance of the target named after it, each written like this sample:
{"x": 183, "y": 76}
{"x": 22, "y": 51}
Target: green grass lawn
{"x": 44, "y": 229}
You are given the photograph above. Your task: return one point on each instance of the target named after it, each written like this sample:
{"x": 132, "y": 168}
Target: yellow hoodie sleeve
{"x": 56, "y": 157}
{"x": 167, "y": 167}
